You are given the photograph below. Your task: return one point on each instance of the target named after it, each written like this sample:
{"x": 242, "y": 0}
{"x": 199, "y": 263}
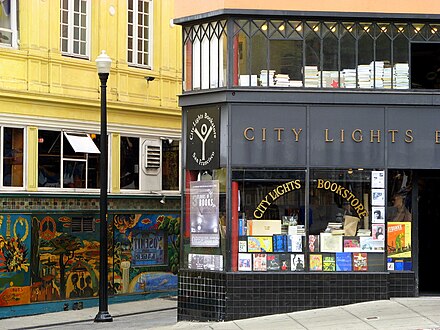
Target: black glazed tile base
{"x": 215, "y": 296}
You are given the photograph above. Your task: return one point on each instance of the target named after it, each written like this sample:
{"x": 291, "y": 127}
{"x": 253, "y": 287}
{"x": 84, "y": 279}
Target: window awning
{"x": 82, "y": 142}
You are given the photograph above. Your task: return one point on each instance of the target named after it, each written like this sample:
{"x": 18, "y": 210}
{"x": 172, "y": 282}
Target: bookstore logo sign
{"x": 202, "y": 140}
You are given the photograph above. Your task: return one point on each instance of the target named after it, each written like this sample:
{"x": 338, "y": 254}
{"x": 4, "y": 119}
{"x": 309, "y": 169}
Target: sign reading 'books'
{"x": 204, "y": 213}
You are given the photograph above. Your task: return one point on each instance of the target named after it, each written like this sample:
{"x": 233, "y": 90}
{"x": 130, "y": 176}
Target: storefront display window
{"x": 339, "y": 227}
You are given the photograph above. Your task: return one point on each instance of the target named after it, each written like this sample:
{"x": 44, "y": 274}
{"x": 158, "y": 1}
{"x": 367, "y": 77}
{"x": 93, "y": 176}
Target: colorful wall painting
{"x": 44, "y": 257}
{"x": 15, "y": 244}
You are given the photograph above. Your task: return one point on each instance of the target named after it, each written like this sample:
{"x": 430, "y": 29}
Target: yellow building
{"x": 50, "y": 131}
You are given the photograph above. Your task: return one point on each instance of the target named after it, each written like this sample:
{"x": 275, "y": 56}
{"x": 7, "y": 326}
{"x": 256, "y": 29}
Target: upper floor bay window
{"x": 75, "y": 27}
{"x": 12, "y": 169}
{"x": 140, "y": 24}
{"x": 149, "y": 164}
{"x": 311, "y": 53}
{"x": 8, "y": 23}
{"x": 68, "y": 160}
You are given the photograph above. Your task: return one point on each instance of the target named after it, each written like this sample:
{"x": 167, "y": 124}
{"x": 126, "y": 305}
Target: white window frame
{"x": 71, "y": 28}
{"x": 13, "y": 28}
{"x": 137, "y": 38}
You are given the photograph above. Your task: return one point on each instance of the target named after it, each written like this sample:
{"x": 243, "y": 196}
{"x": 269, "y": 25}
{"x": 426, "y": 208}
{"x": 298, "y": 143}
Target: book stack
{"x": 311, "y": 76}
{"x": 401, "y": 76}
{"x": 377, "y": 71}
{"x": 364, "y": 232}
{"x": 295, "y": 83}
{"x": 264, "y": 75}
{"x": 387, "y": 77}
{"x": 349, "y": 78}
{"x": 335, "y": 228}
{"x": 282, "y": 80}
{"x": 364, "y": 76}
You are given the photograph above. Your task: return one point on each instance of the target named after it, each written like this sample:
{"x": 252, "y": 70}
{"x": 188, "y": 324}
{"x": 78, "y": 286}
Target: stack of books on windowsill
{"x": 364, "y": 232}
{"x": 401, "y": 76}
{"x": 264, "y": 75}
{"x": 349, "y": 78}
{"x": 311, "y": 76}
{"x": 282, "y": 80}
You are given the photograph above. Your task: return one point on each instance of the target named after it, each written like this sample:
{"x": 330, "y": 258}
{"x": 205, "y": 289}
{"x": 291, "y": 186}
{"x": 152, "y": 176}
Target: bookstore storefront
{"x": 297, "y": 199}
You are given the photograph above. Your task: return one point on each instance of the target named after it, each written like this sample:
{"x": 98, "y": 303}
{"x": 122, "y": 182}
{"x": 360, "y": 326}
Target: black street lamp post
{"x": 103, "y": 63}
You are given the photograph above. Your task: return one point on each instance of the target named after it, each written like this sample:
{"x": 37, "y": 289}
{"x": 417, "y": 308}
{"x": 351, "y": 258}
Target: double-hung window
{"x": 140, "y": 16}
{"x": 75, "y": 27}
{"x": 8, "y": 23}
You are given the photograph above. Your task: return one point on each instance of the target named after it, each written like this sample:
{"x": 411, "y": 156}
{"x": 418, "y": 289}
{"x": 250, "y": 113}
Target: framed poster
{"x": 204, "y": 213}
{"x": 377, "y": 179}
{"x": 378, "y": 197}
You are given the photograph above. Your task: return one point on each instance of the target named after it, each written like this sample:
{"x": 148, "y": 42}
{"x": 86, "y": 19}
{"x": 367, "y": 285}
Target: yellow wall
{"x": 36, "y": 80}
{"x": 193, "y": 7}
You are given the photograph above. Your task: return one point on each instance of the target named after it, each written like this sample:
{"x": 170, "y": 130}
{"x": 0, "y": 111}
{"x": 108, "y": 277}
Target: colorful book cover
{"x": 352, "y": 244}
{"x": 297, "y": 262}
{"x": 260, "y": 262}
{"x": 245, "y": 262}
{"x": 399, "y": 239}
{"x": 273, "y": 262}
{"x": 378, "y": 231}
{"x": 316, "y": 262}
{"x": 242, "y": 246}
{"x": 284, "y": 262}
{"x": 343, "y": 262}
{"x": 314, "y": 243}
{"x": 360, "y": 262}
{"x": 330, "y": 242}
{"x": 279, "y": 243}
{"x": 369, "y": 244}
{"x": 296, "y": 243}
{"x": 328, "y": 262}
{"x": 260, "y": 244}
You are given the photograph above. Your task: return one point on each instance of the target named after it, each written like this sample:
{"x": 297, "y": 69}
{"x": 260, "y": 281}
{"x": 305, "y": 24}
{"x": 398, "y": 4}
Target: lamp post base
{"x": 103, "y": 316}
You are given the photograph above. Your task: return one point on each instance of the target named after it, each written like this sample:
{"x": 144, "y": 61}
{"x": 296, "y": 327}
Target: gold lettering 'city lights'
{"x": 287, "y": 187}
{"x": 273, "y": 195}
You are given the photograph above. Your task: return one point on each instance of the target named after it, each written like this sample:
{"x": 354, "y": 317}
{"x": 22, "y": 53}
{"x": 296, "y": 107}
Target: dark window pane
{"x": 129, "y": 163}
{"x": 49, "y": 158}
{"x": 13, "y": 157}
{"x": 170, "y": 165}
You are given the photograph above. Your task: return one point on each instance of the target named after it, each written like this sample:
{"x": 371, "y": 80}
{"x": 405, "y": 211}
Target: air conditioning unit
{"x": 151, "y": 177}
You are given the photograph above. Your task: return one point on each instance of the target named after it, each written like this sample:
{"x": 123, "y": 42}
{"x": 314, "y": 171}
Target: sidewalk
{"x": 397, "y": 313}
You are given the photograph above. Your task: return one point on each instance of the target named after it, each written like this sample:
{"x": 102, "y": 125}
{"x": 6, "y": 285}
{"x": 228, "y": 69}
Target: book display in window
{"x": 360, "y": 262}
{"x": 284, "y": 262}
{"x": 273, "y": 262}
{"x": 328, "y": 262}
{"x": 297, "y": 263}
{"x": 260, "y": 262}
{"x": 313, "y": 243}
{"x": 343, "y": 262}
{"x": 260, "y": 244}
{"x": 245, "y": 261}
{"x": 316, "y": 262}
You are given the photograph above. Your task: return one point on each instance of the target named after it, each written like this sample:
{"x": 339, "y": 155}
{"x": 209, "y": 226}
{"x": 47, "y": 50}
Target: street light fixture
{"x": 103, "y": 63}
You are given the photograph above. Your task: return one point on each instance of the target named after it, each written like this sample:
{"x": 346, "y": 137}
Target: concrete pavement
{"x": 397, "y": 313}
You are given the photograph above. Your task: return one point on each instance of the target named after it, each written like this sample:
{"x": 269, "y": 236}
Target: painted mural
{"x": 146, "y": 250}
{"x": 14, "y": 259}
{"x": 56, "y": 257}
